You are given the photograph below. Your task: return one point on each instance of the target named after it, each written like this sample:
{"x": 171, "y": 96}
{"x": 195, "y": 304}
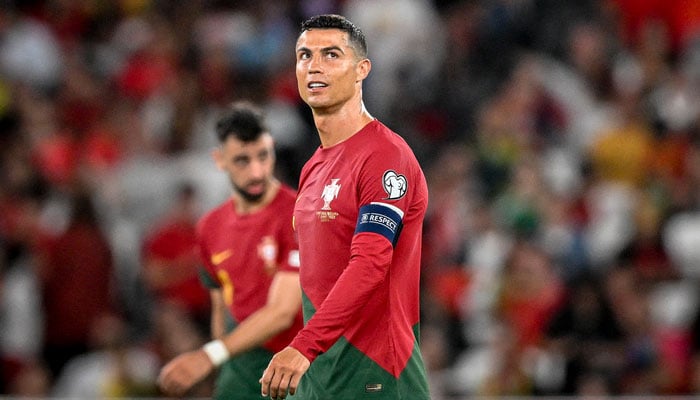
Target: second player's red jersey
{"x": 242, "y": 252}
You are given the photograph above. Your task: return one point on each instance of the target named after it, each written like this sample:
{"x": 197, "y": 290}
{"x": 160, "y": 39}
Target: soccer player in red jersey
{"x": 358, "y": 218}
{"x": 251, "y": 260}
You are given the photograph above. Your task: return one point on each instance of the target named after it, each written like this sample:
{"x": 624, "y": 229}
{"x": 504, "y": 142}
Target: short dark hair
{"x": 334, "y": 21}
{"x": 242, "y": 120}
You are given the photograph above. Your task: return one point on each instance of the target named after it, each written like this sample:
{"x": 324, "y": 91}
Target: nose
{"x": 257, "y": 169}
{"x": 314, "y": 64}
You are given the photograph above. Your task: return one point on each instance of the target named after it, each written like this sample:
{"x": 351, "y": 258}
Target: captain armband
{"x": 381, "y": 218}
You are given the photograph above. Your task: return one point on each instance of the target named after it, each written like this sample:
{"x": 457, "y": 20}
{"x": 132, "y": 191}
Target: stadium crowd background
{"x": 560, "y": 140}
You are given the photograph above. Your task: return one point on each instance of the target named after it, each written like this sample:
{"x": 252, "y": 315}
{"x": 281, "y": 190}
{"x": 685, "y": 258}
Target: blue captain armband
{"x": 380, "y": 218}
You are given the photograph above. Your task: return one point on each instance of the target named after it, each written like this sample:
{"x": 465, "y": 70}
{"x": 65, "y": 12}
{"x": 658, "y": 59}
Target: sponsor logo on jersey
{"x": 218, "y": 258}
{"x": 395, "y": 185}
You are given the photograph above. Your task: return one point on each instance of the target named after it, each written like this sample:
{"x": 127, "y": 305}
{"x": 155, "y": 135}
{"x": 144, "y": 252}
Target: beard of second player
{"x": 249, "y": 197}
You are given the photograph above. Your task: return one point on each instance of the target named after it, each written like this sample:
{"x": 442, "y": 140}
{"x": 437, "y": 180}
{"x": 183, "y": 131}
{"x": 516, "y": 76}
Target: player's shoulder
{"x": 287, "y": 192}
{"x": 384, "y": 146}
{"x": 216, "y": 214}
{"x": 384, "y": 139}
{"x": 286, "y": 197}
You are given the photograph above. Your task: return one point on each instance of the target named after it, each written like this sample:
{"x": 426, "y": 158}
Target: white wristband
{"x": 217, "y": 352}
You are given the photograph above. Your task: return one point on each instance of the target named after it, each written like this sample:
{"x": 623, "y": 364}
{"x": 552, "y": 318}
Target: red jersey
{"x": 242, "y": 252}
{"x": 76, "y": 284}
{"x": 174, "y": 244}
{"x": 358, "y": 218}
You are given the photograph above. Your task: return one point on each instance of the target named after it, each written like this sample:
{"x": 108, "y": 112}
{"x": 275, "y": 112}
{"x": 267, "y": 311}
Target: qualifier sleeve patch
{"x": 380, "y": 218}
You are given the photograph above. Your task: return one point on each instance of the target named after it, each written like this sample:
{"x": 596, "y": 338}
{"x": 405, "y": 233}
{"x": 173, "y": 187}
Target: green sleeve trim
{"x": 207, "y": 280}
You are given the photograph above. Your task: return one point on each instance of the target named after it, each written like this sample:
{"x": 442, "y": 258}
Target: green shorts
{"x": 239, "y": 377}
{"x": 344, "y": 372}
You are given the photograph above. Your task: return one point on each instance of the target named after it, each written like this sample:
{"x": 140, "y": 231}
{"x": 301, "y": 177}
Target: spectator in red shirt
{"x": 170, "y": 259}
{"x": 76, "y": 277}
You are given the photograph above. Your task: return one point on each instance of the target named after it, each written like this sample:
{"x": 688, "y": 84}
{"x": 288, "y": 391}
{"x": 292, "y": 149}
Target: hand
{"x": 282, "y": 375}
{"x": 184, "y": 371}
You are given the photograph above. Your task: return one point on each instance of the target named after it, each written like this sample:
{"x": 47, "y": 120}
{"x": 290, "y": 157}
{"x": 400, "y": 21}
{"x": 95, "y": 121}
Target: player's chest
{"x": 245, "y": 250}
{"x": 329, "y": 193}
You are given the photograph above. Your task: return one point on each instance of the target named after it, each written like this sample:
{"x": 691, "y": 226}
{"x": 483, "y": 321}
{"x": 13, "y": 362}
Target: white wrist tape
{"x": 217, "y": 352}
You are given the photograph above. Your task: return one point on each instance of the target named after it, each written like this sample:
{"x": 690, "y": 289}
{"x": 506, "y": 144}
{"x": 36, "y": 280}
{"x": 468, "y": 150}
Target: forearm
{"x": 364, "y": 273}
{"x": 218, "y": 308}
{"x": 258, "y": 328}
{"x": 279, "y": 313}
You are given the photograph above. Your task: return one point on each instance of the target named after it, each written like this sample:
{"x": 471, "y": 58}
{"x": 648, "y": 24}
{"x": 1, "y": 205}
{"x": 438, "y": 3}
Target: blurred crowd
{"x": 560, "y": 141}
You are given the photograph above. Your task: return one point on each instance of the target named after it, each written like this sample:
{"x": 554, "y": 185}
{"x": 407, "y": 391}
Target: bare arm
{"x": 218, "y": 310}
{"x": 283, "y": 303}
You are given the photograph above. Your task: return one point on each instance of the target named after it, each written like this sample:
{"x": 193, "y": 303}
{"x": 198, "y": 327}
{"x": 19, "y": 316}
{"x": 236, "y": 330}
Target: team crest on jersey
{"x": 395, "y": 185}
{"x": 330, "y": 193}
{"x": 267, "y": 251}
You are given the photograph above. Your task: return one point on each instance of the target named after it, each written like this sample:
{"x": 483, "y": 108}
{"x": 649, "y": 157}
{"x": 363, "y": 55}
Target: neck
{"x": 337, "y": 126}
{"x": 244, "y": 206}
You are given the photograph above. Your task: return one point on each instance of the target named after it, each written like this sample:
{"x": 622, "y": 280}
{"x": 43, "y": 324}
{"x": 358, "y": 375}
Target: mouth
{"x": 256, "y": 188}
{"x": 315, "y": 85}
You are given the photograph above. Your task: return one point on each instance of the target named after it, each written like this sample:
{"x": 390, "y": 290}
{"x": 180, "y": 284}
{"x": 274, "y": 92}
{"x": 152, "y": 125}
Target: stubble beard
{"x": 250, "y": 197}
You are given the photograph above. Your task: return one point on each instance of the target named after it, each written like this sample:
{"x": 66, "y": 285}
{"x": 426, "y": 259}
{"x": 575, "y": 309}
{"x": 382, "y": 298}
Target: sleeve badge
{"x": 395, "y": 185}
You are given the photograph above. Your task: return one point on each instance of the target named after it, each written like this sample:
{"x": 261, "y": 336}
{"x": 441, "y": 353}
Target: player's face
{"x": 249, "y": 165}
{"x": 329, "y": 73}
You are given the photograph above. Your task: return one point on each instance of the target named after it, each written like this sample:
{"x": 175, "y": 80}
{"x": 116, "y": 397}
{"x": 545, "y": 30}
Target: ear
{"x": 218, "y": 158}
{"x": 274, "y": 150}
{"x": 363, "y": 68}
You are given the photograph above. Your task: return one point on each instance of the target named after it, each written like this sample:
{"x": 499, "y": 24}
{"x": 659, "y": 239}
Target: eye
{"x": 303, "y": 56}
{"x": 241, "y": 162}
{"x": 264, "y": 155}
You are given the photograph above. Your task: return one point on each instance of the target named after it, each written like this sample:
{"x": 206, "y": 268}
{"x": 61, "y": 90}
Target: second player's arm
{"x": 278, "y": 314}
{"x": 218, "y": 311}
